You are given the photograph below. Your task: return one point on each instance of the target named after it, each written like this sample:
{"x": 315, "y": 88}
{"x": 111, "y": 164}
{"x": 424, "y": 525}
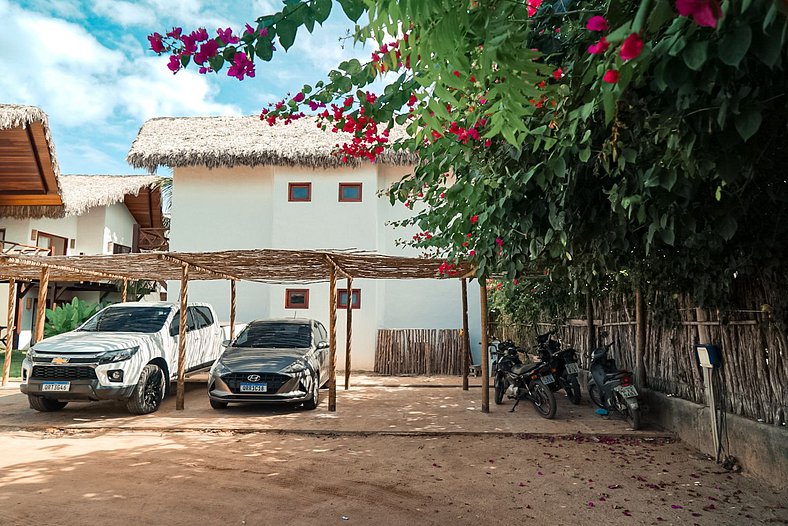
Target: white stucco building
{"x": 240, "y": 184}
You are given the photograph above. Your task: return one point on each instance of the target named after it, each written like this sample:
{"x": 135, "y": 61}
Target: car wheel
{"x": 314, "y": 401}
{"x": 218, "y": 405}
{"x": 149, "y": 392}
{"x": 45, "y": 405}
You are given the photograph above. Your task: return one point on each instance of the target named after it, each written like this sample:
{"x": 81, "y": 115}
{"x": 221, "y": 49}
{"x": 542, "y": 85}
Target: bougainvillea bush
{"x": 619, "y": 142}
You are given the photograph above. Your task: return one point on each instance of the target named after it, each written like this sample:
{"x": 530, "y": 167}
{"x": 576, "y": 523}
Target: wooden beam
{"x": 485, "y": 345}
{"x": 333, "y": 264}
{"x": 52, "y": 200}
{"x": 64, "y": 268}
{"x": 466, "y": 337}
{"x": 232, "y": 308}
{"x": 181, "y": 391}
{"x": 590, "y": 329}
{"x": 124, "y": 291}
{"x": 332, "y": 342}
{"x": 197, "y": 268}
{"x": 43, "y": 285}
{"x": 640, "y": 341}
{"x": 349, "y": 331}
{"x": 9, "y": 335}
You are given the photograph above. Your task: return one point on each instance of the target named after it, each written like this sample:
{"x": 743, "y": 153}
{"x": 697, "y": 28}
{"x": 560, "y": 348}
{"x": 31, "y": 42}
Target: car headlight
{"x": 118, "y": 356}
{"x": 219, "y": 369}
{"x": 295, "y": 367}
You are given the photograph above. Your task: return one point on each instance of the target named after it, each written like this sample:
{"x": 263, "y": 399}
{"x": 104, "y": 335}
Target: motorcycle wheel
{"x": 543, "y": 399}
{"x": 632, "y": 415}
{"x": 595, "y": 394}
{"x": 572, "y": 389}
{"x": 500, "y": 388}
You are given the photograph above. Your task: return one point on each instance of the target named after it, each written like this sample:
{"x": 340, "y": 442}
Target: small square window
{"x": 299, "y": 192}
{"x": 350, "y": 192}
{"x": 342, "y": 299}
{"x": 297, "y": 298}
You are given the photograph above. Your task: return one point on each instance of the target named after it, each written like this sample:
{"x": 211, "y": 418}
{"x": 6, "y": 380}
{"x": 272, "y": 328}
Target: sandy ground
{"x": 187, "y": 478}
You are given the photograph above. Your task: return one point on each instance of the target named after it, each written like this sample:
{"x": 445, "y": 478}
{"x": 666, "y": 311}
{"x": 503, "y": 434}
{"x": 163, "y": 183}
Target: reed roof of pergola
{"x": 260, "y": 265}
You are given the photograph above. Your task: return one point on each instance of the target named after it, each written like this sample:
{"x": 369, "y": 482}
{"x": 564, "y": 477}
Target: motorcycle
{"x": 611, "y": 387}
{"x": 563, "y": 364}
{"x": 519, "y": 381}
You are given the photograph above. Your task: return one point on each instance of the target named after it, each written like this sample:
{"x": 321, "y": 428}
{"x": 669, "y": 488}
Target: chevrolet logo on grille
{"x": 253, "y": 377}
{"x": 59, "y": 361}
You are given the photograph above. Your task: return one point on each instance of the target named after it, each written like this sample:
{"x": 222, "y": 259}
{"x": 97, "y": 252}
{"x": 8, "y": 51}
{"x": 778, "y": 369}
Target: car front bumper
{"x": 292, "y": 391}
{"x": 85, "y": 390}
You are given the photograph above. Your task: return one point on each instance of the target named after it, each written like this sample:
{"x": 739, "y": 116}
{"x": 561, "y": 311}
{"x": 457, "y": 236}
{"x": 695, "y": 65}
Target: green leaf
{"x": 353, "y": 8}
{"x": 661, "y": 13}
{"x": 321, "y": 9}
{"x": 264, "y": 49}
{"x": 747, "y": 123}
{"x": 668, "y": 236}
{"x": 694, "y": 55}
{"x": 726, "y": 227}
{"x": 585, "y": 155}
{"x": 767, "y": 45}
{"x": 287, "y": 32}
{"x": 216, "y": 62}
{"x": 734, "y": 45}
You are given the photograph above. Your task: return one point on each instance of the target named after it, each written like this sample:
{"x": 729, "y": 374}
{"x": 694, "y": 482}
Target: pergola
{"x": 257, "y": 265}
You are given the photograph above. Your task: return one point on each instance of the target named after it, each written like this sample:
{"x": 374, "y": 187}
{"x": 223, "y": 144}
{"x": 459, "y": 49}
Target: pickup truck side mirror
{"x": 322, "y": 345}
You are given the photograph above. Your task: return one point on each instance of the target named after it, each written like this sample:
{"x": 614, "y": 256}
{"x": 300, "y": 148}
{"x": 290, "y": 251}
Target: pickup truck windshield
{"x": 128, "y": 319}
{"x": 275, "y": 335}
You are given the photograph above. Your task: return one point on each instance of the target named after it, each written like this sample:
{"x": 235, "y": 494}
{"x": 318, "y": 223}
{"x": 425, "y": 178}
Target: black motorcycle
{"x": 519, "y": 381}
{"x": 611, "y": 388}
{"x": 563, "y": 366}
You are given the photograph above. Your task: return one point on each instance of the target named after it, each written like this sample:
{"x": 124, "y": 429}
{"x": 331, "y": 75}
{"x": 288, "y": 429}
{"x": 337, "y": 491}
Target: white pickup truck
{"x": 127, "y": 352}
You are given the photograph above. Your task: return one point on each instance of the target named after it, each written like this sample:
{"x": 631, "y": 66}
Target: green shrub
{"x": 68, "y": 316}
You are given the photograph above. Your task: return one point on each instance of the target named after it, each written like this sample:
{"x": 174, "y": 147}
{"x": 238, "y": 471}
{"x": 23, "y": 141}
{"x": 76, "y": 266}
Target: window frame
{"x": 292, "y": 186}
{"x": 342, "y": 186}
{"x": 53, "y": 238}
{"x": 290, "y": 305}
{"x": 355, "y": 293}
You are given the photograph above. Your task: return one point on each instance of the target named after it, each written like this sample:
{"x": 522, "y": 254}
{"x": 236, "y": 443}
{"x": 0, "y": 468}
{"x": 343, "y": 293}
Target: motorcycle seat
{"x": 617, "y": 374}
{"x": 524, "y": 368}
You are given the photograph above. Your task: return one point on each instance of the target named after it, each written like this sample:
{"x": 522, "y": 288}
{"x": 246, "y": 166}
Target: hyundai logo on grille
{"x": 253, "y": 377}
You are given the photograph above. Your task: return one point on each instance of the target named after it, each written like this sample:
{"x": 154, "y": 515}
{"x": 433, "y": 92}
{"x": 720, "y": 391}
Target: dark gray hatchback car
{"x": 272, "y": 361}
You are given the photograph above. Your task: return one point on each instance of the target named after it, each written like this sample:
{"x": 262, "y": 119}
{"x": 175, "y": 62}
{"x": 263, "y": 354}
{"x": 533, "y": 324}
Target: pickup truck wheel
{"x": 149, "y": 392}
{"x": 45, "y": 405}
{"x": 218, "y": 405}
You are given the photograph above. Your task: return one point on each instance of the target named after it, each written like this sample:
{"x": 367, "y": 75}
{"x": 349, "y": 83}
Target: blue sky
{"x": 88, "y": 65}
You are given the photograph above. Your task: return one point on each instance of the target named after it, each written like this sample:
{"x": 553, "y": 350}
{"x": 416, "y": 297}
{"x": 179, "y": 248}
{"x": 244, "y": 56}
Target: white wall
{"x": 90, "y": 232}
{"x": 118, "y": 227}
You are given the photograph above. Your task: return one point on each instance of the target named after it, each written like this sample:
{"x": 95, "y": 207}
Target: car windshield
{"x": 275, "y": 335}
{"x": 128, "y": 319}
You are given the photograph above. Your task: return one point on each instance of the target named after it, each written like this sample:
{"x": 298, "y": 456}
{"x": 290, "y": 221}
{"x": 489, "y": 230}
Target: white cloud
{"x": 125, "y": 13}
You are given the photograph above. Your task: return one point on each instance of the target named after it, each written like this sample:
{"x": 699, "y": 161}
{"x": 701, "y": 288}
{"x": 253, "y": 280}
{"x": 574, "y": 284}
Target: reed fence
{"x": 419, "y": 351}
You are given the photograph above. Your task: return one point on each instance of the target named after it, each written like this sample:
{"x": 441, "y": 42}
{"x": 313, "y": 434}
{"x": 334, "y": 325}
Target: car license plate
{"x": 548, "y": 379}
{"x": 56, "y": 386}
{"x": 254, "y": 388}
{"x": 572, "y": 368}
{"x": 628, "y": 391}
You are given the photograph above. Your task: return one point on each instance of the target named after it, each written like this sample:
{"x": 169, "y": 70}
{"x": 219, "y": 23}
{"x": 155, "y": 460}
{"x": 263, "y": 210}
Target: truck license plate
{"x": 254, "y": 388}
{"x": 628, "y": 391}
{"x": 572, "y": 368}
{"x": 56, "y": 386}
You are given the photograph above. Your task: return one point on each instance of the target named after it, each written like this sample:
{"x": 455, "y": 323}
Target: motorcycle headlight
{"x": 295, "y": 367}
{"x": 118, "y": 356}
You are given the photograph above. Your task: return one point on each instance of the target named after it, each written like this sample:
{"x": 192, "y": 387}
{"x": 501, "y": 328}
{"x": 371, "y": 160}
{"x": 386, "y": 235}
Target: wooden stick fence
{"x": 419, "y": 351}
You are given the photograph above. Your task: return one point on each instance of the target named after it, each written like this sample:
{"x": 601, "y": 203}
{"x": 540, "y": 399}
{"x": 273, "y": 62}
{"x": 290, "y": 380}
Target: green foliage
{"x": 67, "y": 317}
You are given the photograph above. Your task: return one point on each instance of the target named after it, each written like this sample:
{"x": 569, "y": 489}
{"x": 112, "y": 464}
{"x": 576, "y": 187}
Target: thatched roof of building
{"x": 80, "y": 193}
{"x": 244, "y": 141}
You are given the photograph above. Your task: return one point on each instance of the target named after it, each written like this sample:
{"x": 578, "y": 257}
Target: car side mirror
{"x": 322, "y": 345}
{"x": 226, "y": 343}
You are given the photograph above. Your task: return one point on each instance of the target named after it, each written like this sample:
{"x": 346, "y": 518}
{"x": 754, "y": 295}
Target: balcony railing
{"x": 16, "y": 249}
{"x": 154, "y": 239}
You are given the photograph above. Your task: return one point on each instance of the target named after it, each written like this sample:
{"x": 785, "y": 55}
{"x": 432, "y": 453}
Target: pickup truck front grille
{"x": 43, "y": 372}
{"x": 274, "y": 381}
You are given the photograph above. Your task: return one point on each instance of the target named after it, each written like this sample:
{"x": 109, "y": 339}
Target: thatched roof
{"x": 244, "y": 141}
{"x": 80, "y": 193}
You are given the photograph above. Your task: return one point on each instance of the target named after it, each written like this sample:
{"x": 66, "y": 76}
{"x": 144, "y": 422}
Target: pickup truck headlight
{"x": 118, "y": 356}
{"x": 295, "y": 367}
{"x": 31, "y": 354}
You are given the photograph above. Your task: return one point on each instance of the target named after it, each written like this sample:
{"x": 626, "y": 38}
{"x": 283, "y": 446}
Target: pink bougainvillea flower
{"x": 227, "y": 36}
{"x": 474, "y": 220}
{"x": 175, "y": 33}
{"x": 487, "y": 143}
{"x": 472, "y": 253}
{"x": 557, "y": 74}
{"x": 174, "y": 64}
{"x": 703, "y": 12}
{"x": 156, "y": 44}
{"x": 456, "y": 73}
{"x": 298, "y": 97}
{"x": 631, "y": 48}
{"x": 241, "y": 67}
{"x": 208, "y": 50}
{"x": 597, "y": 23}
{"x": 600, "y": 47}
{"x": 611, "y": 76}
{"x": 533, "y": 5}
{"x": 499, "y": 242}
{"x": 412, "y": 100}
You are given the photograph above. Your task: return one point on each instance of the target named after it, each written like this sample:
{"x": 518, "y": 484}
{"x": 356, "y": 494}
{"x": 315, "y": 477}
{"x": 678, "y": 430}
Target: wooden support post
{"x": 640, "y": 340}
{"x": 181, "y": 390}
{"x": 349, "y": 331}
{"x": 9, "y": 335}
{"x": 232, "y": 308}
{"x": 590, "y": 324}
{"x": 332, "y": 339}
{"x": 466, "y": 336}
{"x": 43, "y": 286}
{"x": 124, "y": 291}
{"x": 485, "y": 345}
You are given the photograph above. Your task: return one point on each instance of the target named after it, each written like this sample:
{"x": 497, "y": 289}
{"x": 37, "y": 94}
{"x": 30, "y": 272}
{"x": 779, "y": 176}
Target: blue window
{"x": 350, "y": 192}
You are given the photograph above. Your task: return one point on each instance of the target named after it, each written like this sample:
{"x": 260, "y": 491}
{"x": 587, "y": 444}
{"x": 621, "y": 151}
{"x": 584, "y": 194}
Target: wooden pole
{"x": 466, "y": 336}
{"x": 332, "y": 335}
{"x": 9, "y": 335}
{"x": 349, "y": 331}
{"x": 232, "y": 308}
{"x": 181, "y": 391}
{"x": 590, "y": 323}
{"x": 124, "y": 291}
{"x": 43, "y": 285}
{"x": 640, "y": 340}
{"x": 485, "y": 344}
